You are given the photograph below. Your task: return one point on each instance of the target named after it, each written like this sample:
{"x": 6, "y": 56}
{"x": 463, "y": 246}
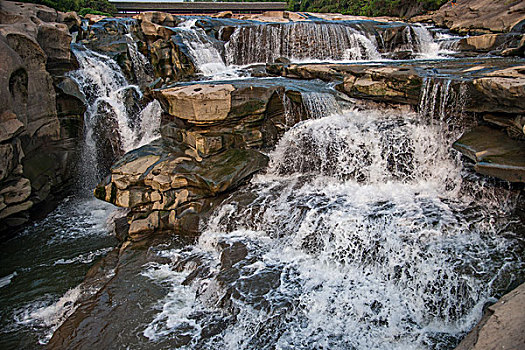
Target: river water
{"x": 365, "y": 232}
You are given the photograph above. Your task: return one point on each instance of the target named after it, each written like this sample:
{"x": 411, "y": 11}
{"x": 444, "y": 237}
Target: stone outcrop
{"x": 494, "y": 153}
{"x": 482, "y": 16}
{"x": 211, "y": 134}
{"x": 502, "y": 326}
{"x": 168, "y": 186}
{"x": 508, "y": 44}
{"x": 39, "y": 120}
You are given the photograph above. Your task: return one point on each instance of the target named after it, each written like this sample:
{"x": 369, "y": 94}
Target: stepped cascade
{"x": 275, "y": 181}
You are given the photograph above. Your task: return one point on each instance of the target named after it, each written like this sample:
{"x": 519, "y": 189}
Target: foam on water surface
{"x": 363, "y": 234}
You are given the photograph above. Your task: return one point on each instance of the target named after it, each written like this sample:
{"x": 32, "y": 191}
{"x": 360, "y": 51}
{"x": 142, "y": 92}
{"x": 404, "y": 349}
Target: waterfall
{"x": 320, "y": 104}
{"x": 115, "y": 121}
{"x": 203, "y": 52}
{"x": 141, "y": 66}
{"x": 298, "y": 41}
{"x": 419, "y": 40}
{"x": 441, "y": 100}
{"x": 361, "y": 235}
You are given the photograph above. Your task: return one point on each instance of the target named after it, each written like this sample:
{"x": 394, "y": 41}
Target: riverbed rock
{"x": 502, "y": 91}
{"x": 482, "y": 16}
{"x": 502, "y": 325}
{"x": 167, "y": 185}
{"x": 35, "y": 54}
{"x": 497, "y": 43}
{"x": 200, "y": 103}
{"x": 494, "y": 153}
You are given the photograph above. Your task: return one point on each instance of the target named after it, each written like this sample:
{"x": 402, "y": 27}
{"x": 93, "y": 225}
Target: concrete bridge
{"x": 125, "y": 7}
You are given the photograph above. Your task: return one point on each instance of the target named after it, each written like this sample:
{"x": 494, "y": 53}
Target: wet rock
{"x": 481, "y": 16}
{"x": 199, "y": 103}
{"x": 169, "y": 186}
{"x": 490, "y": 42}
{"x": 35, "y": 53}
{"x": 9, "y": 126}
{"x": 224, "y": 14}
{"x": 502, "y": 91}
{"x": 494, "y": 153}
{"x": 502, "y": 325}
{"x": 170, "y": 61}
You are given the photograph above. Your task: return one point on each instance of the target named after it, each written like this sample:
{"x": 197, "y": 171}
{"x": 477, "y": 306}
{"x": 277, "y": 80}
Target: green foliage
{"x": 84, "y": 11}
{"x": 365, "y": 7}
{"x": 87, "y": 6}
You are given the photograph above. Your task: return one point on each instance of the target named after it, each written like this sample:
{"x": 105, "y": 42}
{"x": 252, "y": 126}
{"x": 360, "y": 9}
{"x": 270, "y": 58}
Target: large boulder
{"x": 482, "y": 16}
{"x": 494, "y": 153}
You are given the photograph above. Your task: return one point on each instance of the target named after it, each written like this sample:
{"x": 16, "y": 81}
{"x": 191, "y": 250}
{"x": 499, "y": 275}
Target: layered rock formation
{"x": 40, "y": 111}
{"x": 482, "y": 16}
{"x": 210, "y": 139}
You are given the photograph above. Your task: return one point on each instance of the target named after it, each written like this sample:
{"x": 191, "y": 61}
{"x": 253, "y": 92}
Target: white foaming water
{"x": 176, "y": 306}
{"x": 361, "y": 235}
{"x": 47, "y": 314}
{"x": 298, "y": 42}
{"x": 4, "y": 281}
{"x": 442, "y": 99}
{"x": 203, "y": 52}
{"x": 141, "y": 66}
{"x": 85, "y": 258}
{"x": 320, "y": 104}
{"x": 113, "y": 106}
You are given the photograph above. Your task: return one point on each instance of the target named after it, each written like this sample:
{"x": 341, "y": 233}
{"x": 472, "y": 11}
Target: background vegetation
{"x": 83, "y": 7}
{"x": 348, "y": 7}
{"x": 367, "y": 7}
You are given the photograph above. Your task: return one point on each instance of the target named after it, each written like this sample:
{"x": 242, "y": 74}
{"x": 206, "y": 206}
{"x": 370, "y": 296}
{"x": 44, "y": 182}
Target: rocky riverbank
{"x": 41, "y": 111}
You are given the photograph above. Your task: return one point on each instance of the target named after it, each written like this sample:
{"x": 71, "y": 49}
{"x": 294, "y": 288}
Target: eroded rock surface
{"x": 39, "y": 121}
{"x": 482, "y": 16}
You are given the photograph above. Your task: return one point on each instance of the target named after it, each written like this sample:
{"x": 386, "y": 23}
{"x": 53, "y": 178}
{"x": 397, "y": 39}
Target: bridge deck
{"x": 198, "y": 7}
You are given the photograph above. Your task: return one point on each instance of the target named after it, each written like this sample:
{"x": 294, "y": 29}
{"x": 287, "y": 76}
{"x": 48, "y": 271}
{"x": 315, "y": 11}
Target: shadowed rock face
{"x": 40, "y": 114}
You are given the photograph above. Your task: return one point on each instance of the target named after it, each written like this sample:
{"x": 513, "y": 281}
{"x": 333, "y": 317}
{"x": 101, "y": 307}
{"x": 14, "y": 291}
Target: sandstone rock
{"x": 9, "y": 126}
{"x": 489, "y": 42}
{"x": 15, "y": 209}
{"x": 199, "y": 103}
{"x": 224, "y": 14}
{"x": 94, "y": 18}
{"x": 170, "y": 61}
{"x": 17, "y": 192}
{"x": 502, "y": 326}
{"x": 169, "y": 181}
{"x": 138, "y": 228}
{"x": 481, "y": 16}
{"x": 501, "y": 94}
{"x": 494, "y": 153}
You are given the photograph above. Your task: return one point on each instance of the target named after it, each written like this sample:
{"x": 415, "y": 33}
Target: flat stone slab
{"x": 495, "y": 153}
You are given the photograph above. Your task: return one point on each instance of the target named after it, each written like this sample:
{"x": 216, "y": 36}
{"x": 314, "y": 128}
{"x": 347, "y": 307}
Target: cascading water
{"x": 298, "y": 41}
{"x": 443, "y": 99}
{"x": 363, "y": 234}
{"x": 320, "y": 104}
{"x": 203, "y": 52}
{"x": 63, "y": 246}
{"x": 114, "y": 122}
